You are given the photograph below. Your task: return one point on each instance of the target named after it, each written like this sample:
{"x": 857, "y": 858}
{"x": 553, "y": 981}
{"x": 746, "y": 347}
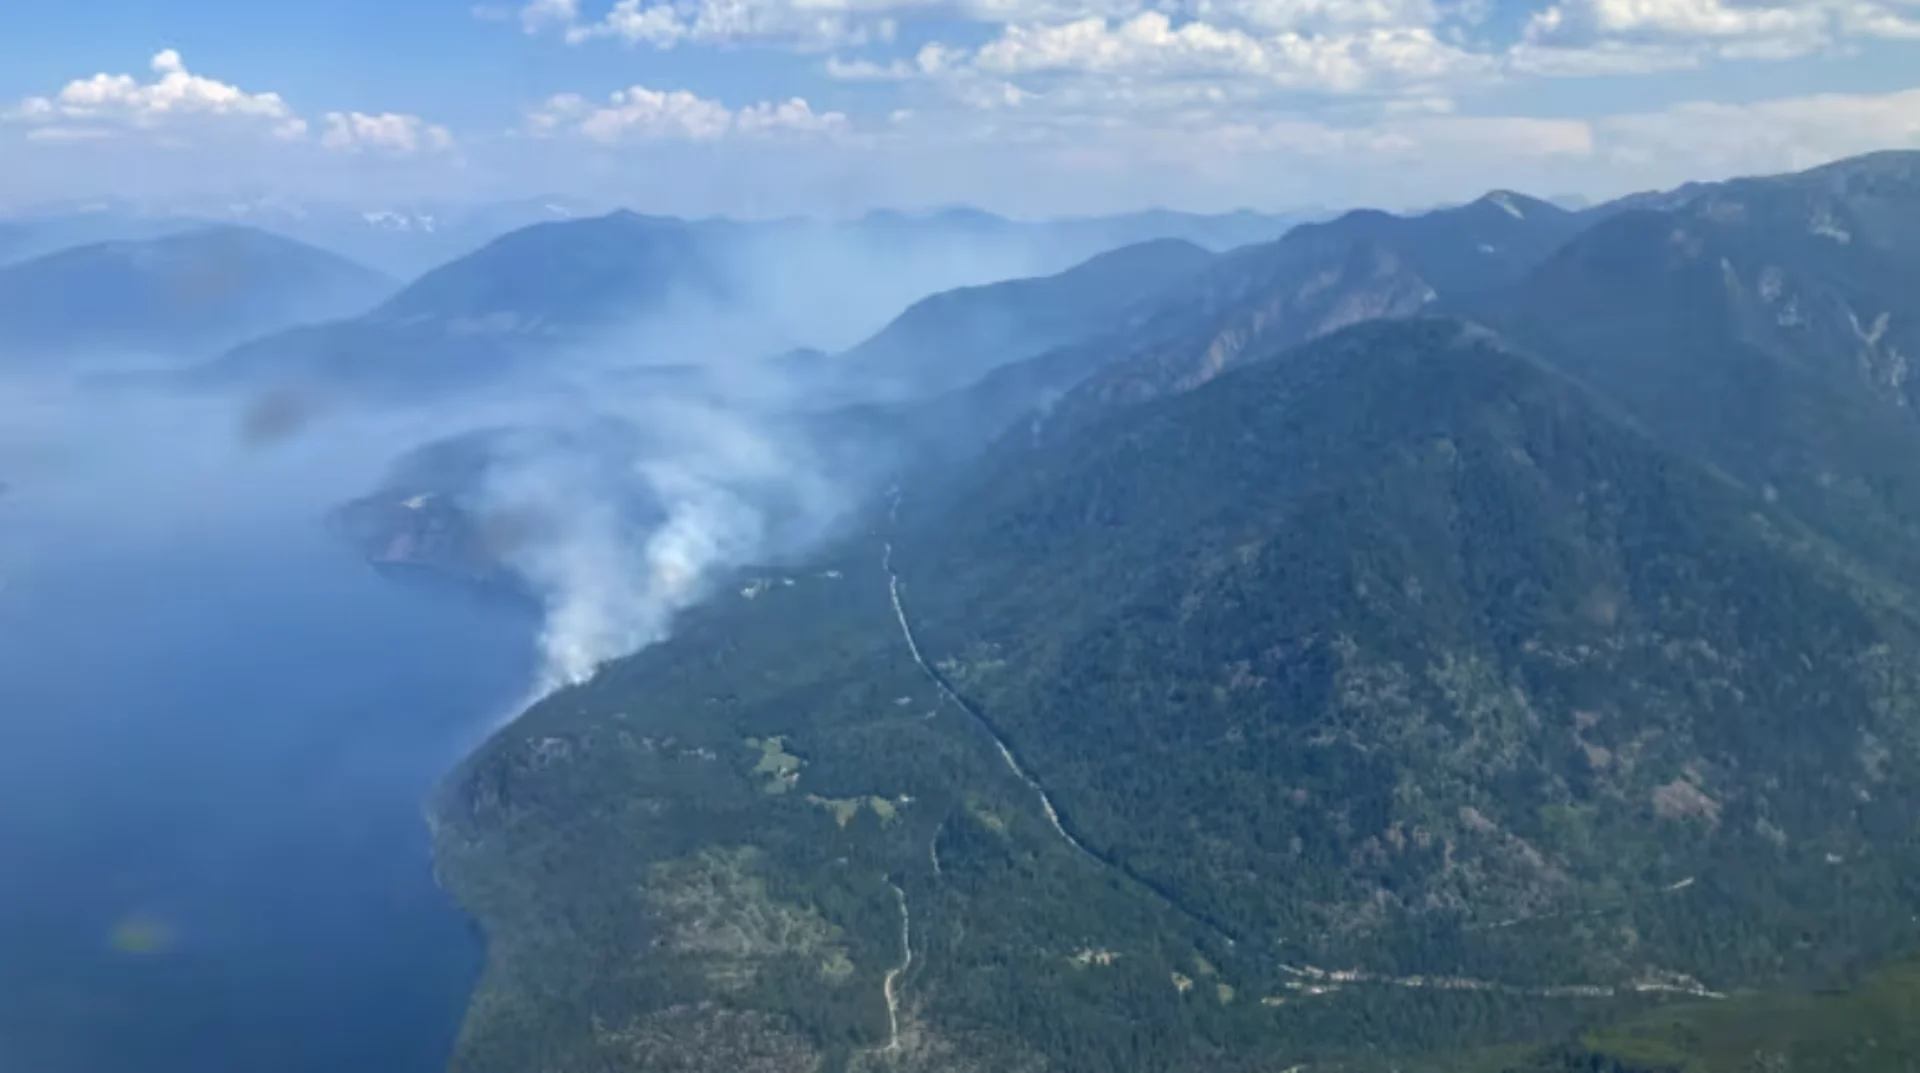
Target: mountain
{"x": 635, "y": 290}
{"x": 1765, "y": 326}
{"x": 409, "y": 238}
{"x": 402, "y": 239}
{"x": 530, "y": 292}
{"x": 428, "y": 513}
{"x": 1373, "y": 706}
{"x": 1218, "y": 232}
{"x": 569, "y": 277}
{"x": 181, "y": 295}
{"x": 54, "y": 228}
{"x": 953, "y": 338}
{"x": 1248, "y": 305}
{"x": 1075, "y": 238}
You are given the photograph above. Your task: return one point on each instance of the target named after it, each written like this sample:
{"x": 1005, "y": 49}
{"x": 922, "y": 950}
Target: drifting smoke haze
{"x": 614, "y": 475}
{"x": 617, "y": 507}
{"x": 622, "y": 477}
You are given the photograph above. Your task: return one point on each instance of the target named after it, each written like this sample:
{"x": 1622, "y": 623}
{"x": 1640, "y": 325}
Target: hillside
{"x": 181, "y": 296}
{"x": 1365, "y": 265}
{"x": 1390, "y": 699}
{"x": 1244, "y": 306}
{"x": 531, "y": 292}
{"x": 950, "y": 340}
{"x": 1764, "y": 326}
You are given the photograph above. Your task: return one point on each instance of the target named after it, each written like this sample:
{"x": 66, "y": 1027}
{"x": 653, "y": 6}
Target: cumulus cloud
{"x": 175, "y": 97}
{"x": 820, "y": 24}
{"x": 387, "y": 132}
{"x": 177, "y": 107}
{"x": 666, "y": 23}
{"x": 1151, "y": 46}
{"x": 1727, "y": 29}
{"x": 643, "y": 114}
{"x": 1316, "y": 16}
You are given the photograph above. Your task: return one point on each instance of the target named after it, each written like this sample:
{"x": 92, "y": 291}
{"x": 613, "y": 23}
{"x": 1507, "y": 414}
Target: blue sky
{"x": 1024, "y": 106}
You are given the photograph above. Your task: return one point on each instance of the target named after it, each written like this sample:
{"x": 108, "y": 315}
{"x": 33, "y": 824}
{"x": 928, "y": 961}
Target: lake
{"x": 214, "y": 755}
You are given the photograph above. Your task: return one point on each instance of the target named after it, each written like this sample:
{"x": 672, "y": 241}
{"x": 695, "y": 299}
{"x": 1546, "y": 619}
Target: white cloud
{"x": 111, "y": 103}
{"x": 869, "y": 71}
{"x": 1785, "y": 134}
{"x": 792, "y": 116}
{"x": 388, "y": 131}
{"x": 642, "y": 114}
{"x": 1598, "y": 58}
{"x": 818, "y": 24}
{"x": 1675, "y": 18}
{"x": 1729, "y": 29}
{"x": 807, "y": 24}
{"x": 1315, "y": 16}
{"x": 538, "y": 15}
{"x": 178, "y": 107}
{"x": 1151, "y": 46}
{"x": 659, "y": 25}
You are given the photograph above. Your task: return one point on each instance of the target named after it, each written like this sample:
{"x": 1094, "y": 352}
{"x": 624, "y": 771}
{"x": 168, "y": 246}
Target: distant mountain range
{"x": 952, "y": 370}
{"x": 406, "y": 239}
{"x": 640, "y": 290}
{"x": 402, "y": 240}
{"x": 183, "y": 296}
{"x": 1485, "y": 640}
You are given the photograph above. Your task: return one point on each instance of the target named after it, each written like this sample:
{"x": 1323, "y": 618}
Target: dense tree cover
{"x": 1765, "y": 327}
{"x": 1868, "y": 1025}
{"x": 1442, "y": 641}
{"x": 1398, "y": 702}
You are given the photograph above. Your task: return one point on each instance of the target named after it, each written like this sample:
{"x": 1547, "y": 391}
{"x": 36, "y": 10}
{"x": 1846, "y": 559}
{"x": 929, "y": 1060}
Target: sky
{"x": 1026, "y": 107}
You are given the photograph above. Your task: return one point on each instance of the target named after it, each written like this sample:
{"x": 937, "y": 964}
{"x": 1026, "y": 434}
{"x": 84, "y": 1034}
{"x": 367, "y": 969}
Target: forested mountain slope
{"x": 1393, "y": 698}
{"x": 1765, "y": 326}
{"x": 1253, "y": 303}
{"x": 952, "y": 339}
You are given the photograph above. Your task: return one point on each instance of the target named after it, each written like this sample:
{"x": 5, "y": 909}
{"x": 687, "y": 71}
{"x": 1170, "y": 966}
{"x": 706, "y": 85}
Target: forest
{"x": 1432, "y": 694}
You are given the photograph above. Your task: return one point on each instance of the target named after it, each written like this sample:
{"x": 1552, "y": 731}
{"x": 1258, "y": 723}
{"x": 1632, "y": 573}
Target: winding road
{"x": 1308, "y": 977}
{"x": 940, "y": 682}
{"x": 893, "y": 975}
{"x": 947, "y": 692}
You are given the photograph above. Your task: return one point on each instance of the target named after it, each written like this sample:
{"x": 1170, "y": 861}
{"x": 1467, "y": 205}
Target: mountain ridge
{"x": 182, "y": 294}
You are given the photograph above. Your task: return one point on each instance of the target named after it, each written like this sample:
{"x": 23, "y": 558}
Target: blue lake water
{"x": 213, "y": 763}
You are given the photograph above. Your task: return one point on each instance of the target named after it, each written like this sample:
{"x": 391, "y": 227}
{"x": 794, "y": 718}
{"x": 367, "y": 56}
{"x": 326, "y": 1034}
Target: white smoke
{"x": 611, "y": 591}
{"x": 628, "y": 517}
